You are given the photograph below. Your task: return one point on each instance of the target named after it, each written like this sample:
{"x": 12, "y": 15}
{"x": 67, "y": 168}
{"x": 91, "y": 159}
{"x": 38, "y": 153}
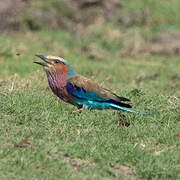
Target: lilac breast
{"x": 57, "y": 83}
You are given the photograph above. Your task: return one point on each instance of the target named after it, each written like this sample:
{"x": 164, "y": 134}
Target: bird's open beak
{"x": 44, "y": 59}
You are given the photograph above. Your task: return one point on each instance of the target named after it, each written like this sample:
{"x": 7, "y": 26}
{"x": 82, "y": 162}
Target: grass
{"x": 163, "y": 15}
{"x": 41, "y": 139}
{"x": 90, "y": 145}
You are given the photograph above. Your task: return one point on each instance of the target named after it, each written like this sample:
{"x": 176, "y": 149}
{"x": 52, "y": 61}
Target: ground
{"x": 134, "y": 53}
{"x": 41, "y": 138}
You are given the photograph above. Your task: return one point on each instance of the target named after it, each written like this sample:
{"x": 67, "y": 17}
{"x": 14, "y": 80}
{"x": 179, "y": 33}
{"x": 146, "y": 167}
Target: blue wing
{"x": 85, "y": 96}
{"x": 81, "y": 93}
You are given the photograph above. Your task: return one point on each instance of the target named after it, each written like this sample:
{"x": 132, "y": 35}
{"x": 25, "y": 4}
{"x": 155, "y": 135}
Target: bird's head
{"x": 55, "y": 64}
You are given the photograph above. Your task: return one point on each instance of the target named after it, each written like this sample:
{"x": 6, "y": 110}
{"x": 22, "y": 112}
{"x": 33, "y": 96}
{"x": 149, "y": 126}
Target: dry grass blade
{"x": 157, "y": 153}
{"x": 124, "y": 170}
{"x": 23, "y": 143}
{"x": 75, "y": 163}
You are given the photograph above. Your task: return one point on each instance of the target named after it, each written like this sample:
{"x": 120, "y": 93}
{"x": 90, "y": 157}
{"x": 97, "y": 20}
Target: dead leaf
{"x": 23, "y": 143}
{"x": 122, "y": 120}
{"x": 177, "y": 136}
{"x": 123, "y": 123}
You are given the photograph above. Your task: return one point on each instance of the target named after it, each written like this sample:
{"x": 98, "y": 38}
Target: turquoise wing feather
{"x": 89, "y": 94}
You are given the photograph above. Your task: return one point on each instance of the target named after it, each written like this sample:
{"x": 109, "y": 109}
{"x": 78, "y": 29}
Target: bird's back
{"x": 86, "y": 91}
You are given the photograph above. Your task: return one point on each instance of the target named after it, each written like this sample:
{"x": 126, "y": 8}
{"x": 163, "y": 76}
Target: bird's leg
{"x": 120, "y": 114}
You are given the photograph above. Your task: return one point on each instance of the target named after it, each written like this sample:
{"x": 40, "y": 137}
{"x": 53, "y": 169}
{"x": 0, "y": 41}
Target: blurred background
{"x": 95, "y": 28}
{"x": 151, "y": 26}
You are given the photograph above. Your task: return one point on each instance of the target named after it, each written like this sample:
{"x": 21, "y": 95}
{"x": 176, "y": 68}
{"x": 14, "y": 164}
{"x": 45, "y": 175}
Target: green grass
{"x": 163, "y": 14}
{"x": 150, "y": 16}
{"x": 89, "y": 145}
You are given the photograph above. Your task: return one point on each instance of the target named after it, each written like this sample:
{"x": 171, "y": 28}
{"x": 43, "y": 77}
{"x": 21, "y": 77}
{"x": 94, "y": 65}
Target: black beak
{"x": 43, "y": 58}
{"x": 41, "y": 63}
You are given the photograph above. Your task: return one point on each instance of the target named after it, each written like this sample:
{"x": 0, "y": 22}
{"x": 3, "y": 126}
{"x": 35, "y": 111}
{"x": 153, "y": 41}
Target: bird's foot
{"x": 120, "y": 114}
{"x": 77, "y": 111}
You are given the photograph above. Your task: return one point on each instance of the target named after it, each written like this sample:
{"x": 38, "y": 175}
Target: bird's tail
{"x": 114, "y": 106}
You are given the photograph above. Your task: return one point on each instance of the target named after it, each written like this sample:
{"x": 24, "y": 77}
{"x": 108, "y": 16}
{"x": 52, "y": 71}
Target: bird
{"x": 78, "y": 90}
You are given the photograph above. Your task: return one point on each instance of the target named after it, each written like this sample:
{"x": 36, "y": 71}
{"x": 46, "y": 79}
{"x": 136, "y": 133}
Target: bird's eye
{"x": 56, "y": 61}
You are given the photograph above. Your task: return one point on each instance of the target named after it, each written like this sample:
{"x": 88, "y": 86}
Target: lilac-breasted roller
{"x": 79, "y": 90}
